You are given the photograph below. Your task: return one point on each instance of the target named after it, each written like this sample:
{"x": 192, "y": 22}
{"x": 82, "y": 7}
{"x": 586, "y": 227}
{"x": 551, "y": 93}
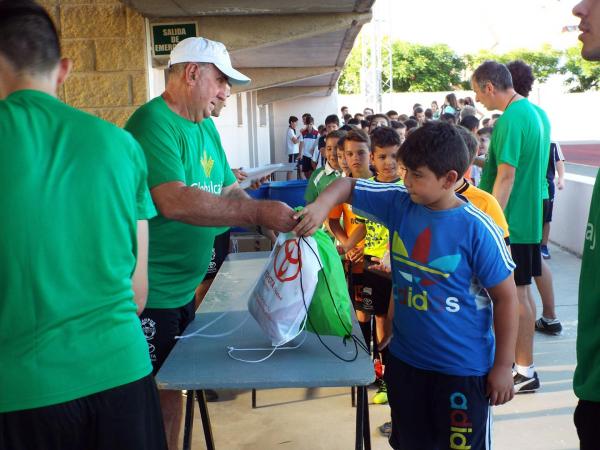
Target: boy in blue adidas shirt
{"x": 446, "y": 365}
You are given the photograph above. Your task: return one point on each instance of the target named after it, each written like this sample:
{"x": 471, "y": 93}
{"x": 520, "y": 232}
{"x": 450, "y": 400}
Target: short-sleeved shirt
{"x": 442, "y": 261}
{"x": 556, "y": 155}
{"x": 378, "y": 236}
{"x": 310, "y": 139}
{"x": 319, "y": 180}
{"x": 521, "y": 140}
{"x": 485, "y": 202}
{"x": 350, "y": 222}
{"x": 586, "y": 380}
{"x": 179, "y": 150}
{"x": 290, "y": 147}
{"x": 73, "y": 187}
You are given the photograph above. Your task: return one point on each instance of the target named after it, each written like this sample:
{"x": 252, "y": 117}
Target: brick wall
{"x": 107, "y": 43}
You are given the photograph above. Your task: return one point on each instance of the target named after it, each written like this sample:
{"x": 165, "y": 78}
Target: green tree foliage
{"x": 349, "y": 81}
{"x": 582, "y": 75}
{"x": 415, "y": 68}
{"x": 544, "y": 62}
{"x": 422, "y": 68}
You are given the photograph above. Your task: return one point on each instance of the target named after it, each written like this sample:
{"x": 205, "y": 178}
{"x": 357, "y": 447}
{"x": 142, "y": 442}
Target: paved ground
{"x": 323, "y": 419}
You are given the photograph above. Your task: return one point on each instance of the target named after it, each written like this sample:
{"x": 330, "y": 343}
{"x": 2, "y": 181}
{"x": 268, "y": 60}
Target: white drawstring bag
{"x": 285, "y": 287}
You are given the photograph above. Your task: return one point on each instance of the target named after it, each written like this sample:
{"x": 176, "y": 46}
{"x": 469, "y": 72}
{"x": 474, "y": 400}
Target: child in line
{"x": 323, "y": 176}
{"x": 450, "y": 266}
{"x": 351, "y": 237}
{"x": 377, "y": 286}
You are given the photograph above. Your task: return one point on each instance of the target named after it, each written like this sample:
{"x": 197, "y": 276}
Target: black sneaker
{"x": 553, "y": 327}
{"x": 525, "y": 384}
{"x": 386, "y": 429}
{"x": 545, "y": 252}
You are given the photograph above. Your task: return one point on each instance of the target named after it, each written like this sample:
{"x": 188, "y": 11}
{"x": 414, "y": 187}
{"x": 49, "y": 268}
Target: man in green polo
{"x": 194, "y": 191}
{"x": 74, "y": 366}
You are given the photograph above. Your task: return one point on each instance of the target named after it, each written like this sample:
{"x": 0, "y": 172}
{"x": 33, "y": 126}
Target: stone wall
{"x": 107, "y": 43}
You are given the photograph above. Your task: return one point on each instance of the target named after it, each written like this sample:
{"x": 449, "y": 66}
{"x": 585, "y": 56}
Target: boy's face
{"x": 357, "y": 157}
{"x": 384, "y": 161}
{"x": 331, "y": 152}
{"x": 377, "y": 122}
{"x": 401, "y": 134}
{"x": 484, "y": 144}
{"x": 293, "y": 124}
{"x": 331, "y": 127}
{"x": 341, "y": 157}
{"x": 425, "y": 188}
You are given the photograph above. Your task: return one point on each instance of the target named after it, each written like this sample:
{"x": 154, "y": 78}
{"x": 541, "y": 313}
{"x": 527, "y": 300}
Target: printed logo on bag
{"x": 149, "y": 328}
{"x": 287, "y": 264}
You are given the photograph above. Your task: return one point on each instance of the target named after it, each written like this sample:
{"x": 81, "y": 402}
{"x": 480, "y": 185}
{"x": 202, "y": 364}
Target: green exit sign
{"x": 165, "y": 36}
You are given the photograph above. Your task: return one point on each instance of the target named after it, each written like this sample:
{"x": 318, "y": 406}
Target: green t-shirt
{"x": 179, "y": 150}
{"x": 73, "y": 187}
{"x": 548, "y": 140}
{"x": 319, "y": 180}
{"x": 520, "y": 140}
{"x": 586, "y": 381}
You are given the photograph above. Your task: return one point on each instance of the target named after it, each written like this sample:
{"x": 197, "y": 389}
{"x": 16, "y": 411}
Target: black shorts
{"x": 219, "y": 253}
{"x": 126, "y": 417}
{"x": 528, "y": 259}
{"x": 587, "y": 418}
{"x": 549, "y": 204}
{"x": 435, "y": 410}
{"x": 376, "y": 290}
{"x": 293, "y": 158}
{"x": 355, "y": 285}
{"x": 160, "y": 327}
{"x": 306, "y": 163}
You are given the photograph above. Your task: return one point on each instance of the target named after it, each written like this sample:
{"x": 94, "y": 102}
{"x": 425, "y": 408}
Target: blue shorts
{"x": 432, "y": 410}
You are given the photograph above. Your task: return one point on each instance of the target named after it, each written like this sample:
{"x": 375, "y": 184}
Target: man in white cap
{"x": 194, "y": 191}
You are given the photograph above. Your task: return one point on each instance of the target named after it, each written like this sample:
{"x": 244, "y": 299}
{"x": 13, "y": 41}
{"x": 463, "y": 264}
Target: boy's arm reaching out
{"x": 500, "y": 388}
{"x": 314, "y": 214}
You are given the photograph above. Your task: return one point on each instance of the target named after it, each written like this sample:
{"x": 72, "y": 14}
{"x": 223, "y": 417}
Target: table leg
{"x": 208, "y": 436}
{"x": 359, "y": 419}
{"x": 353, "y": 395}
{"x": 253, "y": 398}
{"x": 366, "y": 421}
{"x": 189, "y": 420}
{"x": 363, "y": 429}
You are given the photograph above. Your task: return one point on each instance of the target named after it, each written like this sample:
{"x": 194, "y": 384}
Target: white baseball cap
{"x": 199, "y": 49}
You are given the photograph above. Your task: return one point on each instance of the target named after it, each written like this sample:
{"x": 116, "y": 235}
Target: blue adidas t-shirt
{"x": 441, "y": 263}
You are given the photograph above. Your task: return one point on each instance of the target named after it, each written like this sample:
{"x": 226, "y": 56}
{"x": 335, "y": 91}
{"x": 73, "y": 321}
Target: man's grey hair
{"x": 495, "y": 73}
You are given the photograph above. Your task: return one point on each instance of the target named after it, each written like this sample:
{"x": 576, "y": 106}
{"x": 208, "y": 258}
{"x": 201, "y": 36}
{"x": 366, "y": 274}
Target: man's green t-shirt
{"x": 586, "y": 381}
{"x": 519, "y": 140}
{"x": 319, "y": 180}
{"x": 73, "y": 187}
{"x": 179, "y": 150}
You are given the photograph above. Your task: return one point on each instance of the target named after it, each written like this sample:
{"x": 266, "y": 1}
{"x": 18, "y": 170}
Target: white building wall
{"x": 573, "y": 116}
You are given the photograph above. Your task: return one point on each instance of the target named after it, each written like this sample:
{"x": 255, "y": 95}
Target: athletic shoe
{"x": 380, "y": 397}
{"x": 544, "y": 251}
{"x": 386, "y": 429}
{"x": 525, "y": 384}
{"x": 552, "y": 327}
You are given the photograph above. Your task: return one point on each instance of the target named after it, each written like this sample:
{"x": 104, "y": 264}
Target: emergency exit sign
{"x": 165, "y": 36}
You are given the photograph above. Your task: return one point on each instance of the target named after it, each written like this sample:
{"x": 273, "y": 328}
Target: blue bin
{"x": 290, "y": 192}
{"x": 262, "y": 193}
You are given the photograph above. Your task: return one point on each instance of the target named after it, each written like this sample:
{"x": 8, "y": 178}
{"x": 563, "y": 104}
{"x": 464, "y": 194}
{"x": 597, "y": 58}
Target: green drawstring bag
{"x": 330, "y": 310}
